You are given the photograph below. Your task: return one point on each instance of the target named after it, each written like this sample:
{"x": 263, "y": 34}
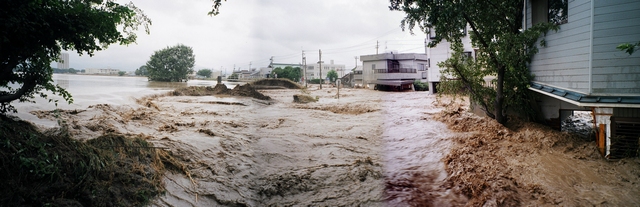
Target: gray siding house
{"x": 581, "y": 69}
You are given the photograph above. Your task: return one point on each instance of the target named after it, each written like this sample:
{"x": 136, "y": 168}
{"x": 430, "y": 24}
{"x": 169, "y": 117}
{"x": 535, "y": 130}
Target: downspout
{"x": 524, "y": 27}
{"x": 591, "y": 49}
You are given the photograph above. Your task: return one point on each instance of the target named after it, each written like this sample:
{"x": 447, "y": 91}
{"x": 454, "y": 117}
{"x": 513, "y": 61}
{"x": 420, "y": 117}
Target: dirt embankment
{"x": 245, "y": 90}
{"x": 275, "y": 83}
{"x": 529, "y": 164}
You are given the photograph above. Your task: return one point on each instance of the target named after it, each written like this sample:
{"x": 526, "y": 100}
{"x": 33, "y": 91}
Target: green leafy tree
{"x": 172, "y": 64}
{"x": 332, "y": 75}
{"x": 142, "y": 71}
{"x": 34, "y": 32}
{"x": 121, "y": 73}
{"x": 71, "y": 70}
{"x": 233, "y": 76}
{"x": 628, "y": 47}
{"x": 205, "y": 72}
{"x": 505, "y": 48}
{"x": 288, "y": 72}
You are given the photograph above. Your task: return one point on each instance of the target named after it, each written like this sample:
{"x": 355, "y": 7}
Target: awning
{"x": 580, "y": 99}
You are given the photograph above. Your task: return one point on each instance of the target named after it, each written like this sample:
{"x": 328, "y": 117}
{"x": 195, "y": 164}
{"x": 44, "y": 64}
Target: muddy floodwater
{"x": 365, "y": 148}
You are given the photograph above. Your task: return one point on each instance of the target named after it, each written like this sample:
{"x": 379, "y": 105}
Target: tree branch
{"x": 29, "y": 84}
{"x": 468, "y": 86}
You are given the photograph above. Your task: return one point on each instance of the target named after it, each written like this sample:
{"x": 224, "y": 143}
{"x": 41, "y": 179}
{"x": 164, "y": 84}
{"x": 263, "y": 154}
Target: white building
{"x": 64, "y": 61}
{"x": 101, "y": 71}
{"x": 313, "y": 70}
{"x": 399, "y": 70}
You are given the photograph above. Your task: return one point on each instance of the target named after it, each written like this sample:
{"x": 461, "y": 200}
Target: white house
{"x": 440, "y": 53}
{"x": 581, "y": 69}
{"x": 390, "y": 69}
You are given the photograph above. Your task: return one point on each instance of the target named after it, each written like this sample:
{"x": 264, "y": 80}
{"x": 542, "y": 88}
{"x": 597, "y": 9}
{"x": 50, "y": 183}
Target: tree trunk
{"x": 501, "y": 118}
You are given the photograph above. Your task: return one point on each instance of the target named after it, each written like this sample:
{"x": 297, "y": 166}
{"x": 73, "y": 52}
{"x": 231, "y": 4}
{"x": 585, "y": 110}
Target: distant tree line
{"x": 70, "y": 70}
{"x": 142, "y": 71}
{"x": 205, "y": 72}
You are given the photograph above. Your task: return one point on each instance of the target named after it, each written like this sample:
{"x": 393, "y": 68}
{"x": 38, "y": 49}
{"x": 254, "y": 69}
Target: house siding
{"x": 564, "y": 62}
{"x": 615, "y": 72}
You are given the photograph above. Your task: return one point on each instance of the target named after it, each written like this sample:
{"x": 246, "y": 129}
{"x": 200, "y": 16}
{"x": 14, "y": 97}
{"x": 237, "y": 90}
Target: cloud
{"x": 254, "y": 30}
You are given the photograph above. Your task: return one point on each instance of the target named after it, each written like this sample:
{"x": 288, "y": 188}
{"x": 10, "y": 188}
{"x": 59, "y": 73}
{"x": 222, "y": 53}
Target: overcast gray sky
{"x": 254, "y": 30}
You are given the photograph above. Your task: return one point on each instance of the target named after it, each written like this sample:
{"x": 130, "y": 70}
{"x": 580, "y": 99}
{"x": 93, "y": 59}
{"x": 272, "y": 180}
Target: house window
{"x": 554, "y": 11}
{"x": 420, "y": 67}
{"x": 558, "y": 11}
{"x": 467, "y": 54}
{"x": 373, "y": 66}
{"x": 432, "y": 33}
{"x": 475, "y": 54}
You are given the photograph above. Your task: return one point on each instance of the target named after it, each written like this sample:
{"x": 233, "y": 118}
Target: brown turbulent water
{"x": 367, "y": 148}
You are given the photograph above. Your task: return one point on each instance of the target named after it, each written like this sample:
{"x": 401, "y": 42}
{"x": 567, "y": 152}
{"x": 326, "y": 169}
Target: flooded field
{"x": 367, "y": 148}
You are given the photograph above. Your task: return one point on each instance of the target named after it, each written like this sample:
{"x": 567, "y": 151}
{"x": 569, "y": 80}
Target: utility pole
{"x": 356, "y": 63}
{"x": 304, "y": 69}
{"x": 249, "y": 65}
{"x": 377, "y": 43}
{"x": 320, "y": 62}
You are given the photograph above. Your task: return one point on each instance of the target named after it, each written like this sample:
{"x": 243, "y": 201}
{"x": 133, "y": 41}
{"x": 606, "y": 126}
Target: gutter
{"x": 591, "y": 49}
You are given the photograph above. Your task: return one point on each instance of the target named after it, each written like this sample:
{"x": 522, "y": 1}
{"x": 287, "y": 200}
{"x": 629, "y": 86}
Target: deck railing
{"x": 395, "y": 70}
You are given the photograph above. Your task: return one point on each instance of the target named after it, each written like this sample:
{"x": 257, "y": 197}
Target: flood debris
{"x": 525, "y": 164}
{"x": 355, "y": 108}
{"x": 298, "y": 98}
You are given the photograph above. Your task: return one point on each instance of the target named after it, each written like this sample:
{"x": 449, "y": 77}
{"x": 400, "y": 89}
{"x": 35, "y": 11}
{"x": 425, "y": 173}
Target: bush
{"x": 420, "y": 86}
{"x": 316, "y": 81}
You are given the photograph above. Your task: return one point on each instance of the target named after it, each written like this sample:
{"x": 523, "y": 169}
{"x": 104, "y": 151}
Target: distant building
{"x": 398, "y": 70}
{"x": 215, "y": 74}
{"x": 64, "y": 61}
{"x": 101, "y": 71}
{"x": 313, "y": 70}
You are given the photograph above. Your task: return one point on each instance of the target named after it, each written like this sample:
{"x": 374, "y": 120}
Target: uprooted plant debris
{"x": 246, "y": 90}
{"x": 52, "y": 169}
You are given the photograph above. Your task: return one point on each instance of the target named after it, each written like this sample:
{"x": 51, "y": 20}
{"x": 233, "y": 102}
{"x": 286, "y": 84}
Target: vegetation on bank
{"x": 53, "y": 169}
